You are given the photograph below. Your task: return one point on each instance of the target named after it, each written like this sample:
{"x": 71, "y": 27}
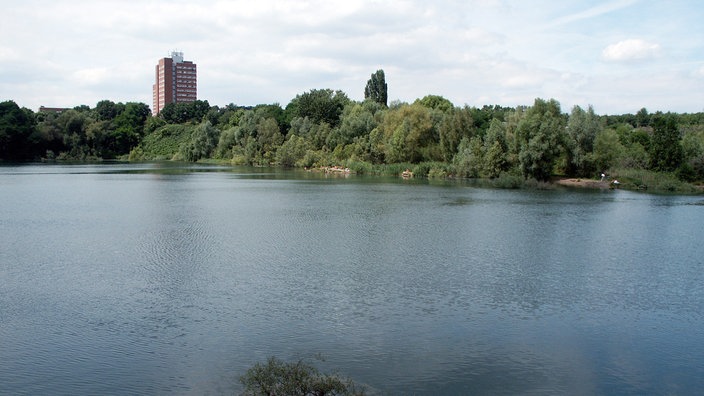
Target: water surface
{"x": 173, "y": 279}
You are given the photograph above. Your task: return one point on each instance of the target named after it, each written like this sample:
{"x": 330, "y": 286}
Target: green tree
{"x": 316, "y": 134}
{"x": 693, "y": 149}
{"x": 179, "y": 113}
{"x": 228, "y": 140}
{"x": 292, "y": 152}
{"x": 541, "y": 137}
{"x": 513, "y": 120}
{"x": 204, "y": 139}
{"x": 273, "y": 111}
{"x": 665, "y": 148}
{"x": 269, "y": 138}
{"x": 248, "y": 126}
{"x": 79, "y": 144}
{"x": 100, "y": 139}
{"x": 456, "y": 124}
{"x": 356, "y": 120}
{"x": 17, "y": 129}
{"x": 607, "y": 149}
{"x": 582, "y": 128}
{"x": 106, "y": 110}
{"x": 495, "y": 150}
{"x": 407, "y": 131}
{"x": 483, "y": 117}
{"x": 470, "y": 157}
{"x": 51, "y": 136}
{"x": 377, "y": 146}
{"x": 642, "y": 118}
{"x": 377, "y": 89}
{"x": 436, "y": 102}
{"x": 126, "y": 130}
{"x": 320, "y": 105}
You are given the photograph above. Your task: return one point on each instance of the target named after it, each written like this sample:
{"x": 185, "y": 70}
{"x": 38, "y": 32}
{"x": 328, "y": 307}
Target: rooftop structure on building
{"x": 176, "y": 82}
{"x": 56, "y": 110}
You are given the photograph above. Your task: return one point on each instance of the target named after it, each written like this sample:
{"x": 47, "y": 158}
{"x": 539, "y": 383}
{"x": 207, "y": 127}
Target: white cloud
{"x": 594, "y": 11}
{"x": 699, "y": 72}
{"x": 94, "y": 76}
{"x": 8, "y": 54}
{"x": 480, "y": 36}
{"x": 68, "y": 52}
{"x": 631, "y": 50}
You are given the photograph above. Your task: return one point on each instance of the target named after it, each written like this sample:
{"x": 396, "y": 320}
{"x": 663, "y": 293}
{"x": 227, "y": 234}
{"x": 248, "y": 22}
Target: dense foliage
{"x": 107, "y": 131}
{"x": 323, "y": 127}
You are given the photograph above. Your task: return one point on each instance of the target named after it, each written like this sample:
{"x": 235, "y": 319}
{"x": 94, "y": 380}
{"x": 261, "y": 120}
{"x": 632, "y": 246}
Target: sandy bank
{"x": 588, "y": 183}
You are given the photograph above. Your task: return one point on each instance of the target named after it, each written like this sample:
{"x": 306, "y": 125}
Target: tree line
{"x": 323, "y": 127}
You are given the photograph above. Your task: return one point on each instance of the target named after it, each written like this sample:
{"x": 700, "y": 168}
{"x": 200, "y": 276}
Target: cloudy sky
{"x": 617, "y": 55}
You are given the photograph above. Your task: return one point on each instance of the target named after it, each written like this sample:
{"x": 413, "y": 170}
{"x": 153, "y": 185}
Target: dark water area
{"x": 174, "y": 279}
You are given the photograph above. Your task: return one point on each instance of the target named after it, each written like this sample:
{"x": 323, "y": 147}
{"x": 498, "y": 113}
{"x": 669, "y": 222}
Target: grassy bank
{"x": 655, "y": 182}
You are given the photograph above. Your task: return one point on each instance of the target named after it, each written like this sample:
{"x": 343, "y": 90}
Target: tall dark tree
{"x": 642, "y": 118}
{"x": 17, "y": 127}
{"x": 106, "y": 110}
{"x": 126, "y": 130}
{"x": 665, "y": 148}
{"x": 377, "y": 89}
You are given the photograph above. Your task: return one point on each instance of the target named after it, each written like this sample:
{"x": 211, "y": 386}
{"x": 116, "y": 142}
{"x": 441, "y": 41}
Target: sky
{"x": 616, "y": 55}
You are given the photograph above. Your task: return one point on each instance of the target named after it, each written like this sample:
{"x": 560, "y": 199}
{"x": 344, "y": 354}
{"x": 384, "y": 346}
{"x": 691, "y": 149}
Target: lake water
{"x": 174, "y": 279}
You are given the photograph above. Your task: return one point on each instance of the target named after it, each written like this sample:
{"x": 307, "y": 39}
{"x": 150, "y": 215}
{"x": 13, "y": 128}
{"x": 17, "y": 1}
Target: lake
{"x": 174, "y": 279}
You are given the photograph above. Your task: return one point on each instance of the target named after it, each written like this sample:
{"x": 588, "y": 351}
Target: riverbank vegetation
{"x": 431, "y": 137}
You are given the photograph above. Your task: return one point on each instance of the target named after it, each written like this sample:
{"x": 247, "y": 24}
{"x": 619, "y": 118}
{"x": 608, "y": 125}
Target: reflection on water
{"x": 144, "y": 279}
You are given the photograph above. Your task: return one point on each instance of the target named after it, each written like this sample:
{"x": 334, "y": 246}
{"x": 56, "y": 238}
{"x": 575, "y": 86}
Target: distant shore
{"x": 653, "y": 185}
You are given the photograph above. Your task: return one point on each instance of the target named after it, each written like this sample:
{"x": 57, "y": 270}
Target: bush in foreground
{"x": 295, "y": 379}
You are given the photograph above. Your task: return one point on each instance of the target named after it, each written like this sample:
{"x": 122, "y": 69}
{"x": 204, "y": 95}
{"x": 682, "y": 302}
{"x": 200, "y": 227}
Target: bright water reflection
{"x": 149, "y": 279}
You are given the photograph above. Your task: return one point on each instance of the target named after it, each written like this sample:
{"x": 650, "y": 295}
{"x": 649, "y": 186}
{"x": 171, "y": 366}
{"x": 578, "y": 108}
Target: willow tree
{"x": 408, "y": 132}
{"x": 541, "y": 139}
{"x": 582, "y": 129}
{"x": 495, "y": 150}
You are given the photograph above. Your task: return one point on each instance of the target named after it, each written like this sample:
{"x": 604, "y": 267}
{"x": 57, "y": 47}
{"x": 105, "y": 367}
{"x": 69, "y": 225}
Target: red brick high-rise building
{"x": 176, "y": 82}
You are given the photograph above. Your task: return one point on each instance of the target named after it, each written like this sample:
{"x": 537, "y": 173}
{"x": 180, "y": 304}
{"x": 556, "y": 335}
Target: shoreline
{"x": 584, "y": 183}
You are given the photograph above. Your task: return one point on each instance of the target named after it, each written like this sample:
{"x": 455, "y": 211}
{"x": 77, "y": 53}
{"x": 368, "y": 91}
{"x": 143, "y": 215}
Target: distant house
{"x": 52, "y": 110}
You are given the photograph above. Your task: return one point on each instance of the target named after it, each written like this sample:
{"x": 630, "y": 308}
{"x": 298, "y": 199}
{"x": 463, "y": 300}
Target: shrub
{"x": 652, "y": 181}
{"x": 508, "y": 181}
{"x": 296, "y": 379}
{"x": 164, "y": 143}
{"x": 437, "y": 173}
{"x": 422, "y": 169}
{"x": 137, "y": 154}
{"x": 360, "y": 167}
